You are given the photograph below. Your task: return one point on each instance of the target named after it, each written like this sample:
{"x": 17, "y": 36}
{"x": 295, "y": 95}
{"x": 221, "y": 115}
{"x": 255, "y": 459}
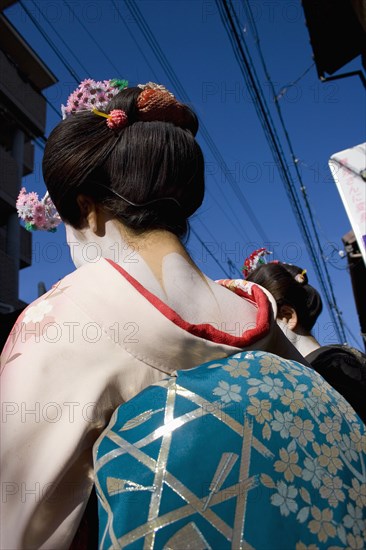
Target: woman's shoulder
{"x": 346, "y": 358}
{"x": 344, "y": 368}
{"x": 55, "y": 316}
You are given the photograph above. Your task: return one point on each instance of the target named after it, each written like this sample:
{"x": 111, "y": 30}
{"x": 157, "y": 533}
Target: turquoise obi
{"x": 251, "y": 451}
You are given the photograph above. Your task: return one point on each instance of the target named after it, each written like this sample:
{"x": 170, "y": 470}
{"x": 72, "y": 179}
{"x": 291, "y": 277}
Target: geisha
{"x": 124, "y": 173}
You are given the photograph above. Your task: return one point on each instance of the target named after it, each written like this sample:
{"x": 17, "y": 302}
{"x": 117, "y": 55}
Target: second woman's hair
{"x": 279, "y": 279}
{"x": 156, "y": 165}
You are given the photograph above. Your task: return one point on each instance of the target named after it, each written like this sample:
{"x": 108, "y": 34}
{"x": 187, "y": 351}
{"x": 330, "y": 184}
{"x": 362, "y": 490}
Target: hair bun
{"x": 158, "y": 104}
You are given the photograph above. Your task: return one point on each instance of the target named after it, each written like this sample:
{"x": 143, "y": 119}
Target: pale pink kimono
{"x": 95, "y": 340}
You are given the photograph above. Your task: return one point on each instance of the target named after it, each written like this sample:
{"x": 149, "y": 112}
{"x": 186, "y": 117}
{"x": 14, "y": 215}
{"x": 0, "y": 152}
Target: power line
{"x": 61, "y": 39}
{"x": 332, "y": 302}
{"x": 209, "y": 252}
{"x": 77, "y": 78}
{"x": 284, "y": 89}
{"x": 162, "y": 59}
{"x": 98, "y": 45}
{"x": 232, "y": 26}
{"x": 153, "y": 72}
{"x": 238, "y": 228}
{"x": 231, "y": 265}
{"x": 51, "y": 44}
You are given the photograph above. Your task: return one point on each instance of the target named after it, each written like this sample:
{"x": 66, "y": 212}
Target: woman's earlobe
{"x": 91, "y": 214}
{"x": 288, "y": 315}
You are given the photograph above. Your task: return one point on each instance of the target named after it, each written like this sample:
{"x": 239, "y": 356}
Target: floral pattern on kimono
{"x": 252, "y": 451}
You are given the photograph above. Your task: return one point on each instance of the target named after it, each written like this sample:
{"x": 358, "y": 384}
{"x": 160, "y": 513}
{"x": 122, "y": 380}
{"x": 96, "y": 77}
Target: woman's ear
{"x": 288, "y": 315}
{"x": 92, "y": 214}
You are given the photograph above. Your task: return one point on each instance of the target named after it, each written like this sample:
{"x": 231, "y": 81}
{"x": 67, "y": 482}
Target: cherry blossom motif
{"x": 354, "y": 519}
{"x": 282, "y": 423}
{"x": 349, "y": 449}
{"x": 237, "y": 368}
{"x": 331, "y": 427}
{"x": 228, "y": 392}
{"x": 358, "y": 493}
{"x": 355, "y": 542}
{"x": 36, "y": 314}
{"x": 294, "y": 398}
{"x": 285, "y": 498}
{"x": 288, "y": 465}
{"x": 270, "y": 385}
{"x": 270, "y": 364}
{"x": 358, "y": 439}
{"x": 328, "y": 457}
{"x": 260, "y": 409}
{"x": 313, "y": 472}
{"x": 302, "y": 430}
{"x": 315, "y": 405}
{"x": 322, "y": 523}
{"x": 331, "y": 490}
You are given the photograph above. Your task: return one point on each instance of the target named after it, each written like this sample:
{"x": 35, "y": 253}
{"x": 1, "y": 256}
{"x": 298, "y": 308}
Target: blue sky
{"x": 321, "y": 118}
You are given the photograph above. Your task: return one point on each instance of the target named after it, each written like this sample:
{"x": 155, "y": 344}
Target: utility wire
{"x": 92, "y": 38}
{"x": 209, "y": 252}
{"x": 230, "y": 21}
{"x": 40, "y": 142}
{"x": 238, "y": 227}
{"x": 331, "y": 299}
{"x": 162, "y": 59}
{"x": 284, "y": 89}
{"x": 61, "y": 39}
{"x": 51, "y": 44}
{"x": 134, "y": 39}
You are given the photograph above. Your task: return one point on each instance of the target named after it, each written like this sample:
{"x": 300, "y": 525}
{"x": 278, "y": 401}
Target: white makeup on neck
{"x": 87, "y": 247}
{"x": 304, "y": 343}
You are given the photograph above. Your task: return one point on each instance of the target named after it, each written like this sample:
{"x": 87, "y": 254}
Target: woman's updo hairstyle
{"x": 153, "y": 162}
{"x": 280, "y": 280}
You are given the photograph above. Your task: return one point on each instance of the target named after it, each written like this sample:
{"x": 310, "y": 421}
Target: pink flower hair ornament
{"x": 256, "y": 258}
{"x": 92, "y": 94}
{"x": 36, "y": 213}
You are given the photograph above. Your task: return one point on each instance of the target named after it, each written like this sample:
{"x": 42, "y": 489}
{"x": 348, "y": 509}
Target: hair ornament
{"x": 154, "y": 86}
{"x": 36, "y": 213}
{"x": 92, "y": 94}
{"x": 156, "y": 103}
{"x": 300, "y": 277}
{"x": 255, "y": 259}
{"x": 121, "y": 84}
{"x": 116, "y": 119}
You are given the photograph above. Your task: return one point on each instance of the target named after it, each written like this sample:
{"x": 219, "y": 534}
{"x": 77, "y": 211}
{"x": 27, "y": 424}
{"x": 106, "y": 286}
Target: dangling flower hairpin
{"x": 41, "y": 214}
{"x": 36, "y": 213}
{"x": 300, "y": 277}
{"x": 256, "y": 258}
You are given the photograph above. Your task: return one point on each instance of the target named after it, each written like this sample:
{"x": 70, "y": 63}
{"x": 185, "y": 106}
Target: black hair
{"x": 145, "y": 162}
{"x": 279, "y": 279}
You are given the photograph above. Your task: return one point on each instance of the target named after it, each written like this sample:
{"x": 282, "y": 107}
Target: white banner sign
{"x": 349, "y": 172}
